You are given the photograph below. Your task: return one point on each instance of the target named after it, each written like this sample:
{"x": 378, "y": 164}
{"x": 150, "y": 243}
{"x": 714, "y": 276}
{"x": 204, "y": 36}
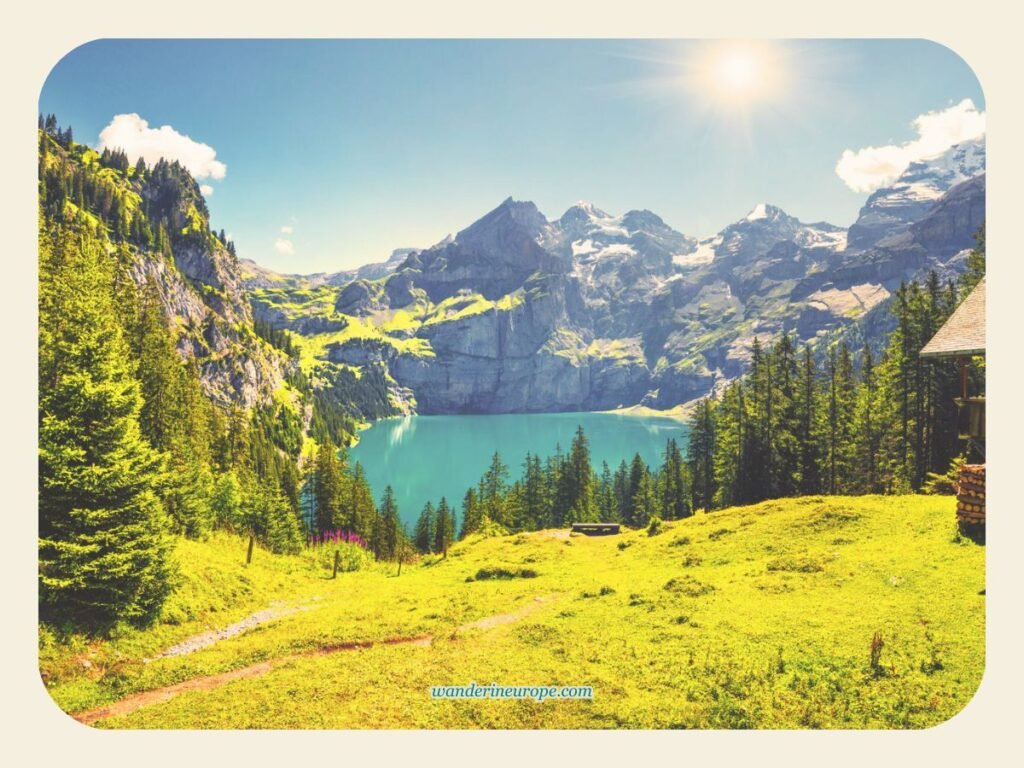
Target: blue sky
{"x": 336, "y": 152}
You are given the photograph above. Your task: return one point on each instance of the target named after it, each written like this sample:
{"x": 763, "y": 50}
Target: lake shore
{"x": 679, "y": 412}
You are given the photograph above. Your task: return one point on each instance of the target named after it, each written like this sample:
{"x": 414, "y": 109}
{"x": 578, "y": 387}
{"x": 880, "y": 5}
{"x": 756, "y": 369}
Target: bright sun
{"x": 736, "y": 71}
{"x": 739, "y": 73}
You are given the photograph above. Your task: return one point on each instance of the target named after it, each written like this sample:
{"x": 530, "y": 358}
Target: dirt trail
{"x": 158, "y": 695}
{"x": 206, "y": 639}
{"x": 505, "y": 618}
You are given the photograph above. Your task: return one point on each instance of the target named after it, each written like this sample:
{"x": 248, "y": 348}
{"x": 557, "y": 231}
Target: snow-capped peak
{"x": 760, "y": 212}
{"x": 589, "y": 209}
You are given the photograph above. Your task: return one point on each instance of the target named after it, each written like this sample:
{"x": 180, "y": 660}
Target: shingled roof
{"x": 964, "y": 333}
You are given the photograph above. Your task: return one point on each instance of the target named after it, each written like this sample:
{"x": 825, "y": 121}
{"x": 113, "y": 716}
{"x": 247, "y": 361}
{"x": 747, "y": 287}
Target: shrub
{"x": 353, "y": 553}
{"x": 688, "y": 586}
{"x": 944, "y": 484}
{"x": 795, "y": 564}
{"x": 497, "y": 572}
{"x": 654, "y": 527}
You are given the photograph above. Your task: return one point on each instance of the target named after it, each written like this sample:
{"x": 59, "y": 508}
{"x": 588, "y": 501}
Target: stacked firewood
{"x": 970, "y": 495}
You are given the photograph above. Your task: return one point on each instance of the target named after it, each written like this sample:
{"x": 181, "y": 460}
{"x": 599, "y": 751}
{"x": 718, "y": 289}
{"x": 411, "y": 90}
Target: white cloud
{"x": 284, "y": 247}
{"x": 206, "y": 189}
{"x": 287, "y": 229}
{"x": 133, "y": 134}
{"x": 865, "y": 170}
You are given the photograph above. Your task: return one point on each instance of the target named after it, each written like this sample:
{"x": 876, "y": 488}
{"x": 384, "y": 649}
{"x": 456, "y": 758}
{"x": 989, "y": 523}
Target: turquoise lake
{"x": 426, "y": 457}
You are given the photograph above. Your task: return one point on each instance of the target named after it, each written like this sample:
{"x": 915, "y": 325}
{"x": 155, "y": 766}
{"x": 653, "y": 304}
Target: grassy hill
{"x": 751, "y": 617}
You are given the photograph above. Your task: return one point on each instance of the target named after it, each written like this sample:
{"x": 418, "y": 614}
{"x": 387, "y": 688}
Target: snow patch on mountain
{"x": 704, "y": 253}
{"x": 760, "y": 212}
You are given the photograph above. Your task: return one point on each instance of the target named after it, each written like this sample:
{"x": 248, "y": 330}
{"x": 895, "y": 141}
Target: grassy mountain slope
{"x": 759, "y": 616}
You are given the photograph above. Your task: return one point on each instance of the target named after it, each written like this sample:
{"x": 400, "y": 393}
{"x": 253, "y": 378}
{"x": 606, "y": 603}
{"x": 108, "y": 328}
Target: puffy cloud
{"x": 287, "y": 229}
{"x": 865, "y": 170}
{"x": 284, "y": 247}
{"x": 206, "y": 189}
{"x": 133, "y": 134}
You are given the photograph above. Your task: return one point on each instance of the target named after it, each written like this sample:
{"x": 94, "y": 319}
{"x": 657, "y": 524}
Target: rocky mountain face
{"x": 593, "y": 311}
{"x": 198, "y": 280}
{"x": 890, "y": 210}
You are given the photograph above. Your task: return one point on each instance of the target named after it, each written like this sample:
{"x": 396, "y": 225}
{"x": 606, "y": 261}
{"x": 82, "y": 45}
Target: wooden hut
{"x": 960, "y": 338}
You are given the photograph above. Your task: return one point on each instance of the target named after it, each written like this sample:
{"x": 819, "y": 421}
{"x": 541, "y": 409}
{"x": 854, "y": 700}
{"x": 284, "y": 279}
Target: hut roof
{"x": 964, "y": 332}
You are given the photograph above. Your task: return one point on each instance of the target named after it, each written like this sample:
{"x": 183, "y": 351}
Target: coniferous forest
{"x": 131, "y": 450}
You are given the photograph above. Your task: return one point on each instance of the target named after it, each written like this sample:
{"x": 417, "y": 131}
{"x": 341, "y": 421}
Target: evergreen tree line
{"x": 560, "y": 490}
{"x": 342, "y": 499}
{"x": 844, "y": 424}
{"x": 145, "y": 219}
{"x": 131, "y": 451}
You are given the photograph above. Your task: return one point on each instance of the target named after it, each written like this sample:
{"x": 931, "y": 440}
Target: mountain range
{"x": 594, "y": 311}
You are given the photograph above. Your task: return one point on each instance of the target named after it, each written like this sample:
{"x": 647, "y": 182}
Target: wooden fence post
{"x": 337, "y": 561}
{"x": 248, "y": 556}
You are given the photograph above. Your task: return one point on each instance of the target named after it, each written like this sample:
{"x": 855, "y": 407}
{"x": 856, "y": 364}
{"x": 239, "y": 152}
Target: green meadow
{"x": 814, "y": 612}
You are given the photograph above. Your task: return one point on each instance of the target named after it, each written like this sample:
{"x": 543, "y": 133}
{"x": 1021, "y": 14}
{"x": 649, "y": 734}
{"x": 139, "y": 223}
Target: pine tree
{"x": 638, "y": 471}
{"x": 731, "y": 446}
{"x": 104, "y": 551}
{"x": 645, "y": 499}
{"x": 363, "y": 514}
{"x": 494, "y": 487}
{"x": 701, "y": 455}
{"x": 174, "y": 419}
{"x": 809, "y": 454}
{"x": 577, "y": 478}
{"x": 839, "y": 403}
{"x": 673, "y": 485}
{"x": 227, "y": 502}
{"x": 425, "y": 533}
{"x": 327, "y": 491}
{"x": 444, "y": 532}
{"x": 389, "y": 527}
{"x": 272, "y": 520}
{"x": 866, "y": 428}
{"x": 607, "y": 508}
{"x": 535, "y": 512}
{"x": 620, "y": 489}
{"x": 472, "y": 513}
{"x": 785, "y": 432}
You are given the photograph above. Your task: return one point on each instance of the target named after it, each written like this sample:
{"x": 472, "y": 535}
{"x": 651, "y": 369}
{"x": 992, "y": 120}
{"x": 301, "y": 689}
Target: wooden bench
{"x": 596, "y": 529}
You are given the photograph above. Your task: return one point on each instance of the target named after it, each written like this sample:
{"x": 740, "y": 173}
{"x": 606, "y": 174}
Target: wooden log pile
{"x": 970, "y": 495}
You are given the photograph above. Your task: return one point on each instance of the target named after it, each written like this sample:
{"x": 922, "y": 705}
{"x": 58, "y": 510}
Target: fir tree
{"x": 327, "y": 492}
{"x": 701, "y": 455}
{"x": 425, "y": 533}
{"x": 577, "y": 477}
{"x": 493, "y": 491}
{"x": 104, "y": 552}
{"x": 389, "y": 528}
{"x": 444, "y": 532}
{"x": 673, "y": 486}
{"x": 472, "y": 514}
